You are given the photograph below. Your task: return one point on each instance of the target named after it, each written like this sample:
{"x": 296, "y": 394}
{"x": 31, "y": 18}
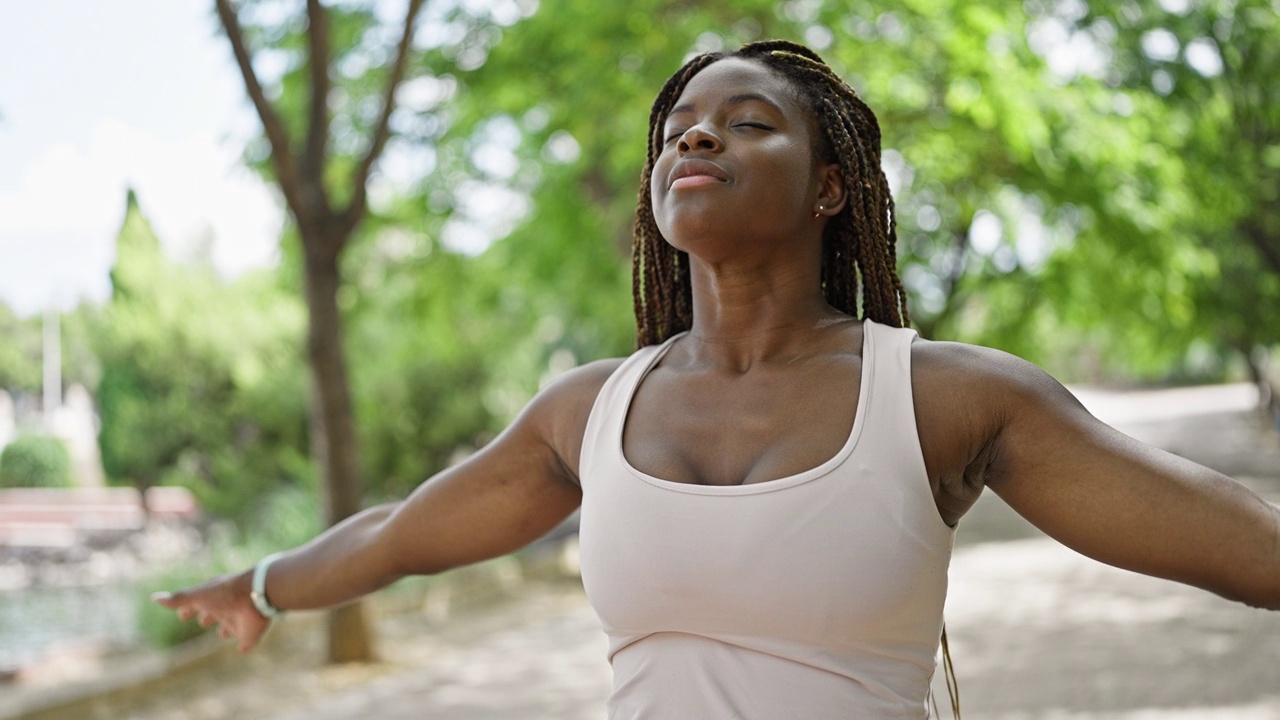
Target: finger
{"x": 166, "y": 599}
{"x": 186, "y": 613}
{"x": 248, "y": 642}
{"x": 224, "y": 632}
{"x": 251, "y": 635}
{"x": 206, "y": 620}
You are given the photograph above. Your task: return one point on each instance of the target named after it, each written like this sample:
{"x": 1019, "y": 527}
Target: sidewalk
{"x": 1038, "y": 632}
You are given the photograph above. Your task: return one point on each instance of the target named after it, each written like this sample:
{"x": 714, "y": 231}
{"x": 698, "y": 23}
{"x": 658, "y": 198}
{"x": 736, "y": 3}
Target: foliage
{"x": 962, "y": 98}
{"x": 1044, "y": 206}
{"x": 419, "y": 369}
{"x": 201, "y": 380}
{"x": 578, "y": 104}
{"x": 35, "y": 461}
{"x": 21, "y": 369}
{"x": 19, "y": 353}
{"x": 1068, "y": 188}
{"x": 1034, "y": 215}
{"x": 1208, "y": 76}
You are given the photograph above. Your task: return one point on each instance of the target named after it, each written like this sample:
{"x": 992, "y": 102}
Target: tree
{"x": 200, "y": 383}
{"x": 1043, "y": 206}
{"x": 1040, "y": 210}
{"x": 1213, "y": 68}
{"x": 326, "y": 194}
{"x": 963, "y": 100}
{"x": 19, "y": 353}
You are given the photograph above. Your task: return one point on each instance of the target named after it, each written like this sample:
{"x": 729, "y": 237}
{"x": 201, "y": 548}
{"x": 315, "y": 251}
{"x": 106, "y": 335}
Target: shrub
{"x": 35, "y": 461}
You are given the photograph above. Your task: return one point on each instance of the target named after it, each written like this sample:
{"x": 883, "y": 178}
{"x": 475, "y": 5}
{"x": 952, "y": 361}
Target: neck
{"x": 747, "y": 315}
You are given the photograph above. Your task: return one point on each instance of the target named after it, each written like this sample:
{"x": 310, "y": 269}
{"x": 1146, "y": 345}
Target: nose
{"x": 700, "y": 138}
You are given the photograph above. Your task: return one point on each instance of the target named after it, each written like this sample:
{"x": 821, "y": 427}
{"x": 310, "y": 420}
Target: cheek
{"x": 795, "y": 164}
{"x": 655, "y": 202}
{"x": 783, "y": 184}
{"x": 661, "y": 169}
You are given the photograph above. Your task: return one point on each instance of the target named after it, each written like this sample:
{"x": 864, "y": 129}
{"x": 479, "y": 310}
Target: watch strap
{"x": 258, "y": 593}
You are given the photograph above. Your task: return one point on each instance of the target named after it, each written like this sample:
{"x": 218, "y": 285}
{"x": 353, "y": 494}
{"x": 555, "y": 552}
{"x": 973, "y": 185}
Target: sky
{"x": 97, "y": 97}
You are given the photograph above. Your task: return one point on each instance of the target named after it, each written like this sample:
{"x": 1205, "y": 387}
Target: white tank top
{"x": 815, "y": 596}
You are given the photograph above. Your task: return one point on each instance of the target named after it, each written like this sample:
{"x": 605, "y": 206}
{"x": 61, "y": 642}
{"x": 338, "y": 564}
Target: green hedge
{"x": 35, "y": 461}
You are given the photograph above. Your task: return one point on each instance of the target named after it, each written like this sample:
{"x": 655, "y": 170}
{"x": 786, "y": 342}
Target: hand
{"x": 223, "y": 601}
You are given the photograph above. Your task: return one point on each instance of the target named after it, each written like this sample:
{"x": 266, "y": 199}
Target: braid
{"x": 859, "y": 247}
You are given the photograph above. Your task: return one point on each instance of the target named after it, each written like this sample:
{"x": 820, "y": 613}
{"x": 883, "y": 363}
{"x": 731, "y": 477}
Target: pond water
{"x": 34, "y": 621}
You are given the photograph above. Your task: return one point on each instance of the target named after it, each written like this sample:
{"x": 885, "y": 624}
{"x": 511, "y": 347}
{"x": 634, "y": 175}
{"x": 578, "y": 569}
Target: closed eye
{"x": 675, "y": 135}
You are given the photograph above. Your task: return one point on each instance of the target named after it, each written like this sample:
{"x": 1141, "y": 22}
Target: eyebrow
{"x": 738, "y": 99}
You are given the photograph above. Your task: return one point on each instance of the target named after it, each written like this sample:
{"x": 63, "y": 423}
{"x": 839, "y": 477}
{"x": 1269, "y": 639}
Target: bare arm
{"x": 1115, "y": 499}
{"x": 507, "y": 495}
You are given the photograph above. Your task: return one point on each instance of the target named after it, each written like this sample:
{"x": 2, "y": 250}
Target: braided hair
{"x": 858, "y": 242}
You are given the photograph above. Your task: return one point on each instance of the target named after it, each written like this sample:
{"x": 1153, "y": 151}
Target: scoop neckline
{"x": 764, "y": 486}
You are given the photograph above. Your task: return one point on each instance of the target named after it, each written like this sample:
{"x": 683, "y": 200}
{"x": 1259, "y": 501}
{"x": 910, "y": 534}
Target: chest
{"x": 850, "y": 556}
{"x": 723, "y": 429}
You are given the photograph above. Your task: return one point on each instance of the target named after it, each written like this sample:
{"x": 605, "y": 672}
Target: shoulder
{"x": 559, "y": 412}
{"x": 579, "y": 384}
{"x": 980, "y": 375}
{"x": 971, "y": 402}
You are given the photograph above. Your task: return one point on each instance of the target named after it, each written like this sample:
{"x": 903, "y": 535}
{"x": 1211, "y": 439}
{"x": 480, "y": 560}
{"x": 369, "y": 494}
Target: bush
{"x": 35, "y": 461}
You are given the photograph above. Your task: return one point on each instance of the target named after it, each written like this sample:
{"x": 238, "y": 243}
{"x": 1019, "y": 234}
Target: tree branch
{"x": 313, "y": 158}
{"x": 282, "y": 159}
{"x": 382, "y": 131}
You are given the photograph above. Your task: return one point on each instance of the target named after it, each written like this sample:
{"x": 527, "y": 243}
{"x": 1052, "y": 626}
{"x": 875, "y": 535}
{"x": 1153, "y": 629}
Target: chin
{"x": 692, "y": 238}
{"x": 688, "y": 229}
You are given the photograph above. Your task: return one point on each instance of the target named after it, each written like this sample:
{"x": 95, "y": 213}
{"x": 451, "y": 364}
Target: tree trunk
{"x": 332, "y": 429}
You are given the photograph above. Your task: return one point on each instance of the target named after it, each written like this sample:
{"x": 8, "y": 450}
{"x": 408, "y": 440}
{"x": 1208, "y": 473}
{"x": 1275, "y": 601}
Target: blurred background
{"x": 1094, "y": 186}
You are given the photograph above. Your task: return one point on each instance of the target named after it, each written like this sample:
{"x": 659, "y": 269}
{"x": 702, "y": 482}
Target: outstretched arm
{"x": 502, "y": 498}
{"x": 1113, "y": 498}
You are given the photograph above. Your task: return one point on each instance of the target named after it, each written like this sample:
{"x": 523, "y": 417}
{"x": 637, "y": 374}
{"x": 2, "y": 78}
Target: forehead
{"x": 734, "y": 77}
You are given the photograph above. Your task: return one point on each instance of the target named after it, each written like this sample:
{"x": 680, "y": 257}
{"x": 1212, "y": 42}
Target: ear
{"x": 831, "y": 191}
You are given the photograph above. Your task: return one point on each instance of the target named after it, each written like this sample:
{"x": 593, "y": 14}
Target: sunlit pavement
{"x": 550, "y": 663}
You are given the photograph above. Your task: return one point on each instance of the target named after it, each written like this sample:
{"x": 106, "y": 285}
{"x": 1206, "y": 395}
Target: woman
{"x": 769, "y": 486}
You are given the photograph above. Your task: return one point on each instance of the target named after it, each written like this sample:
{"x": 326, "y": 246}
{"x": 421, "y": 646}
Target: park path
{"x": 1038, "y": 632}
{"x": 548, "y": 663}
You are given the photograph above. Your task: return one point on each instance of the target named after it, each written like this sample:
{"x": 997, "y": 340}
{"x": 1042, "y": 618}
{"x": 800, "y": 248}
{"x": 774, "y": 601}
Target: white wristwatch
{"x": 258, "y": 594}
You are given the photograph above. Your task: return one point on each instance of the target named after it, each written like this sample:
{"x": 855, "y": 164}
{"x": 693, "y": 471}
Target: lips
{"x": 695, "y": 168}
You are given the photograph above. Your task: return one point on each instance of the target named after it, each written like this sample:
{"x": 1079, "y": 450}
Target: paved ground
{"x": 550, "y": 664}
{"x": 1039, "y": 633}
